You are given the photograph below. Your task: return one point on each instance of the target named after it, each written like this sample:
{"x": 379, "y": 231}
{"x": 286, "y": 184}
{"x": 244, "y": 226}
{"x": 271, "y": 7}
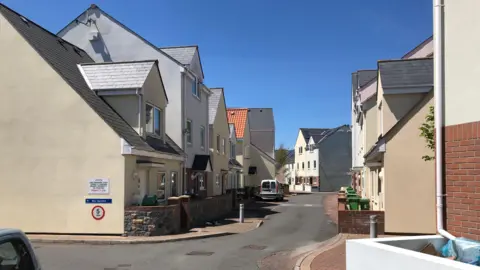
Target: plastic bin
{"x": 353, "y": 203}
{"x": 364, "y": 204}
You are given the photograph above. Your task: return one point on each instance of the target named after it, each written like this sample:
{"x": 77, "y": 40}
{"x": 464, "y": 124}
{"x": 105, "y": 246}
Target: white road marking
{"x": 308, "y": 205}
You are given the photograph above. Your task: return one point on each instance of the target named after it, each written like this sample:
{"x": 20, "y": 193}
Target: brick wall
{"x": 462, "y": 179}
{"x": 358, "y": 222}
{"x": 152, "y": 220}
{"x": 209, "y": 209}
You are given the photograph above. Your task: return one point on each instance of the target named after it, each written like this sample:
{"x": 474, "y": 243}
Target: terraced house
{"x": 106, "y": 39}
{"x": 93, "y": 130}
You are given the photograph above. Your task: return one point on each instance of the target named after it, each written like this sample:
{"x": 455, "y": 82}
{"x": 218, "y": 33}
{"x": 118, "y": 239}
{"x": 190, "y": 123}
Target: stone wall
{"x": 358, "y": 222}
{"x": 152, "y": 220}
{"x": 209, "y": 209}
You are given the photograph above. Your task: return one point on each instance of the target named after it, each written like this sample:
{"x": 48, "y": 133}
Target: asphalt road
{"x": 292, "y": 226}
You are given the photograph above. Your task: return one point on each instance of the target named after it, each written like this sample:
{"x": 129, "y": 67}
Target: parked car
{"x": 16, "y": 251}
{"x": 271, "y": 190}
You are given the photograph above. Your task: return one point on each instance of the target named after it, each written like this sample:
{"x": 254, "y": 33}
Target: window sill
{"x": 196, "y": 96}
{"x": 189, "y": 144}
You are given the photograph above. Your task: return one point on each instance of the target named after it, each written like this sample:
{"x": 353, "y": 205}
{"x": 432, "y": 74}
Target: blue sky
{"x": 294, "y": 56}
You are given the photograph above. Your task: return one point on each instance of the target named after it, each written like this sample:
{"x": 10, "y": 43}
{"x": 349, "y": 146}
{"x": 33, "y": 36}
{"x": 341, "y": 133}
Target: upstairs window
{"x": 308, "y": 165}
{"x": 232, "y": 150}
{"x": 195, "y": 90}
{"x": 223, "y": 146}
{"x": 314, "y": 164}
{"x": 153, "y": 119}
{"x": 303, "y": 165}
{"x": 189, "y": 131}
{"x": 300, "y": 150}
{"x": 202, "y": 137}
{"x": 218, "y": 143}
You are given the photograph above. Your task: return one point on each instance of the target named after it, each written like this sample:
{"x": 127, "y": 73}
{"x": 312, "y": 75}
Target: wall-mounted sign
{"x": 98, "y": 201}
{"x": 99, "y": 186}
{"x": 98, "y": 212}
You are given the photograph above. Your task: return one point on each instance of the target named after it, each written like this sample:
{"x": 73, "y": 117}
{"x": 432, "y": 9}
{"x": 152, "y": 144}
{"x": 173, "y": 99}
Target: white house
{"x": 106, "y": 39}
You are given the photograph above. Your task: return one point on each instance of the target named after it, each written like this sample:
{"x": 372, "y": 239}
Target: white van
{"x": 271, "y": 190}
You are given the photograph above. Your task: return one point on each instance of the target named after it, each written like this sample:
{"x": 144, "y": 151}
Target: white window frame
{"x": 223, "y": 146}
{"x": 202, "y": 137}
{"x": 195, "y": 90}
{"x": 152, "y": 119}
{"x": 201, "y": 182}
{"x": 217, "y": 179}
{"x": 218, "y": 144}
{"x": 189, "y": 132}
{"x": 159, "y": 184}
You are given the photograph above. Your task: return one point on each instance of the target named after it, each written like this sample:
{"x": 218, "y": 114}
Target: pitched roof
{"x": 418, "y": 48}
{"x": 213, "y": 101}
{"x": 118, "y": 75}
{"x": 64, "y": 57}
{"x": 364, "y": 77}
{"x": 183, "y": 54}
{"x": 316, "y": 133}
{"x": 238, "y": 117}
{"x": 291, "y": 157}
{"x": 406, "y": 73}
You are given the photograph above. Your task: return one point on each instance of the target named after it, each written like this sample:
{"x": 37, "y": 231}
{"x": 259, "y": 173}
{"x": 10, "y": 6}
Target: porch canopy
{"x": 374, "y": 157}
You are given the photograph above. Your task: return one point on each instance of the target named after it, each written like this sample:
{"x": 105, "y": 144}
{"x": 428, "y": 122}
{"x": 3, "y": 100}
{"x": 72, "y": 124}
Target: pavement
{"x": 289, "y": 230}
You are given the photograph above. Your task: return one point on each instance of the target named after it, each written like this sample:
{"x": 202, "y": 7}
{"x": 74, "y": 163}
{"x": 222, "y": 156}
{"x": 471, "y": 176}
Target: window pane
{"x": 202, "y": 136}
{"x": 157, "y": 121}
{"x": 194, "y": 88}
{"x": 189, "y": 129}
{"x": 161, "y": 180}
{"x": 149, "y": 118}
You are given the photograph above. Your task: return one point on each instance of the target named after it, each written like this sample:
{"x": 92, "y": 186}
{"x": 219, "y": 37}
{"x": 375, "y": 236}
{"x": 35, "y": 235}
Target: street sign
{"x": 99, "y": 186}
{"x": 97, "y": 201}
{"x": 98, "y": 213}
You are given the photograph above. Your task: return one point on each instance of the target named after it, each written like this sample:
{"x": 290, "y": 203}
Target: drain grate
{"x": 255, "y": 247}
{"x": 200, "y": 253}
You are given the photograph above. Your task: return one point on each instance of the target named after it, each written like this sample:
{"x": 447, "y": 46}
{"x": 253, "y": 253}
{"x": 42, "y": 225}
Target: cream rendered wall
{"x": 396, "y": 106}
{"x": 265, "y": 167}
{"x": 371, "y": 135}
{"x": 56, "y": 143}
{"x": 219, "y": 159}
{"x": 410, "y": 181}
{"x": 127, "y": 107}
{"x": 461, "y": 61}
{"x": 243, "y": 150}
{"x": 299, "y": 158}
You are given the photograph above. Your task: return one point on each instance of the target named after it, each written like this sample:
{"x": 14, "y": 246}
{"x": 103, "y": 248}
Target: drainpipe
{"x": 184, "y": 135}
{"x": 141, "y": 127}
{"x": 439, "y": 78}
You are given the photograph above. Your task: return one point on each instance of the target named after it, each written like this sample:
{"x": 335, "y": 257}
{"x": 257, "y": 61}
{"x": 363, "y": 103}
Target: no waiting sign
{"x": 98, "y": 213}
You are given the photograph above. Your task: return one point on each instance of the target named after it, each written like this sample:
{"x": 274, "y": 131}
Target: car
{"x": 16, "y": 251}
{"x": 271, "y": 190}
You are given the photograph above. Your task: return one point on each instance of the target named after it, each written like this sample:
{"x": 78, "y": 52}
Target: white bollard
{"x": 241, "y": 214}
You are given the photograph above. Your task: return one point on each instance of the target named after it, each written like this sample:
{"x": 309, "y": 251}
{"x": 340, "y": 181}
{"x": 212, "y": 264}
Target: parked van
{"x": 271, "y": 190}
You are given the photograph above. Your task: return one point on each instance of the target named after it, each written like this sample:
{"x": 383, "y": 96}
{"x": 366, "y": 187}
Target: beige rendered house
{"x": 78, "y": 132}
{"x": 400, "y": 182}
{"x": 219, "y": 143}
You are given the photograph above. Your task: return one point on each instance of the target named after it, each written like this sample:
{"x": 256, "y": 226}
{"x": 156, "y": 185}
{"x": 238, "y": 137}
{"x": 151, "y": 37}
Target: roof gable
{"x": 316, "y": 133}
{"x": 64, "y": 58}
{"x": 186, "y": 55}
{"x": 238, "y": 117}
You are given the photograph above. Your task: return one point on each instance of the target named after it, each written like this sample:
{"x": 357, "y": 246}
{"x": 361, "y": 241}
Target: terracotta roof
{"x": 239, "y": 118}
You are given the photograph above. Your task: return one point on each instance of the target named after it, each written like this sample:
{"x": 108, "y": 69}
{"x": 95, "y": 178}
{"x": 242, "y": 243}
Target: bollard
{"x": 373, "y": 226}
{"x": 241, "y": 213}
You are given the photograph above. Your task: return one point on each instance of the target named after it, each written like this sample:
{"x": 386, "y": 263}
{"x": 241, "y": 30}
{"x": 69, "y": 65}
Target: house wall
{"x": 422, "y": 52}
{"x": 265, "y": 167}
{"x": 56, "y": 143}
{"x": 119, "y": 44}
{"x": 219, "y": 159}
{"x": 462, "y": 121}
{"x": 312, "y": 157}
{"x": 370, "y": 113}
{"x": 246, "y": 153}
{"x": 409, "y": 181}
{"x": 396, "y": 106}
{"x": 127, "y": 107}
{"x": 300, "y": 158}
{"x": 197, "y": 112}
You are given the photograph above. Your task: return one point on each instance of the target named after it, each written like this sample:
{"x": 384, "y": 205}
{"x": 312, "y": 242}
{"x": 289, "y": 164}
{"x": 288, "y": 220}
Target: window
{"x": 303, "y": 165}
{"x": 223, "y": 146}
{"x": 15, "y": 255}
{"x": 312, "y": 146}
{"x": 314, "y": 164}
{"x": 232, "y": 150}
{"x": 298, "y": 164}
{"x": 218, "y": 143}
{"x": 202, "y": 137}
{"x": 300, "y": 150}
{"x": 217, "y": 180}
{"x": 308, "y": 165}
{"x": 201, "y": 183}
{"x": 195, "y": 88}
{"x": 161, "y": 182}
{"x": 153, "y": 119}
{"x": 189, "y": 131}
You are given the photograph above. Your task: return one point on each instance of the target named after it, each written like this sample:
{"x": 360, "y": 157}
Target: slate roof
{"x": 316, "y": 133}
{"x": 365, "y": 76}
{"x": 183, "y": 54}
{"x": 121, "y": 75}
{"x": 213, "y": 101}
{"x": 406, "y": 73}
{"x": 261, "y": 119}
{"x": 64, "y": 57}
{"x": 291, "y": 157}
{"x": 233, "y": 162}
{"x": 264, "y": 140}
{"x": 238, "y": 117}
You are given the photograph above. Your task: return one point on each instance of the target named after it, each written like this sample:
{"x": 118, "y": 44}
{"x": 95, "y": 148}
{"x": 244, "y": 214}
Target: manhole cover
{"x": 255, "y": 247}
{"x": 200, "y": 253}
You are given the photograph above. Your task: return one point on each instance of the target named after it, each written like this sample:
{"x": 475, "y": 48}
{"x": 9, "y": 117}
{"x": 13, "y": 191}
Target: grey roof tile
{"x": 262, "y": 129}
{"x": 213, "y": 102}
{"x": 122, "y": 75}
{"x": 64, "y": 58}
{"x": 291, "y": 157}
{"x": 183, "y": 54}
{"x": 316, "y": 133}
{"x": 264, "y": 140}
{"x": 365, "y": 76}
{"x": 406, "y": 73}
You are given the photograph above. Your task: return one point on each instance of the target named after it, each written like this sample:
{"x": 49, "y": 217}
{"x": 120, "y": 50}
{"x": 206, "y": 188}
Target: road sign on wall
{"x": 98, "y": 212}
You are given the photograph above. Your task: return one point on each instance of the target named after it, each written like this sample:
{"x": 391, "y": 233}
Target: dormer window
{"x": 195, "y": 90}
{"x": 153, "y": 120}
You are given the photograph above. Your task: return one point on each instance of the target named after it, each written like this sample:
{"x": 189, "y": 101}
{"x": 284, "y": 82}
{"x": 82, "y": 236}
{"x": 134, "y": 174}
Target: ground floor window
{"x": 161, "y": 183}
{"x": 174, "y": 186}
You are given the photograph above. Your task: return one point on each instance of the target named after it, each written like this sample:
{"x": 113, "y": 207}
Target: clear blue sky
{"x": 294, "y": 56}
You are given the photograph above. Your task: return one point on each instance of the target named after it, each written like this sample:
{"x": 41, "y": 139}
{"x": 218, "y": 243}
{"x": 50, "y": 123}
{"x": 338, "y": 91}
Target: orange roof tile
{"x": 239, "y": 118}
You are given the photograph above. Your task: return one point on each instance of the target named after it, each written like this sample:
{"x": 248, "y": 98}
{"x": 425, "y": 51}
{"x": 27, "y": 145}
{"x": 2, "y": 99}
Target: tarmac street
{"x": 291, "y": 227}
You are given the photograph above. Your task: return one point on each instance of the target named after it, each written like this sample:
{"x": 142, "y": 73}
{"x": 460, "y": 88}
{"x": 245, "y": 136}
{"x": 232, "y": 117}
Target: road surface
{"x": 291, "y": 226}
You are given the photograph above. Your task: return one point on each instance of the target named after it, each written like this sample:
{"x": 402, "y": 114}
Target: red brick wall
{"x": 358, "y": 222}
{"x": 462, "y": 179}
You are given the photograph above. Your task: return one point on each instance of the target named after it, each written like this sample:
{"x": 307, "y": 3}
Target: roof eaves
{"x": 417, "y": 48}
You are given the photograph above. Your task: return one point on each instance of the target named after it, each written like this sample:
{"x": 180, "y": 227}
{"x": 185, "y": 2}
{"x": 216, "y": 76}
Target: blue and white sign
{"x": 98, "y": 201}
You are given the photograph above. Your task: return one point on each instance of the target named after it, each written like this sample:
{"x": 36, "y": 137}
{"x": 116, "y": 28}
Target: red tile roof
{"x": 239, "y": 118}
